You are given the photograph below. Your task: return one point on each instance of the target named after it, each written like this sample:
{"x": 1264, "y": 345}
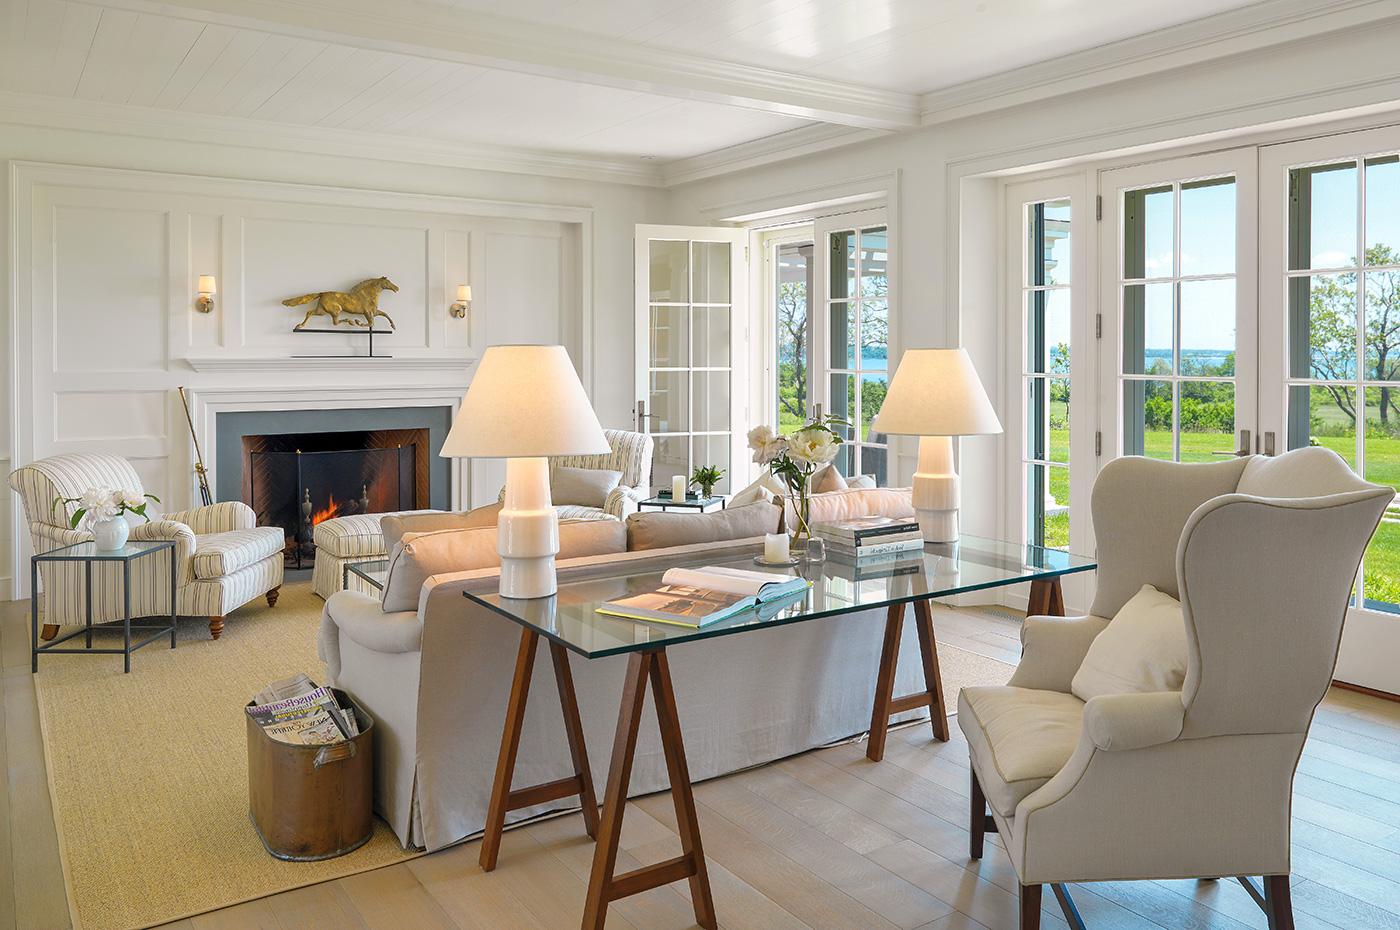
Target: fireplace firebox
{"x": 297, "y": 480}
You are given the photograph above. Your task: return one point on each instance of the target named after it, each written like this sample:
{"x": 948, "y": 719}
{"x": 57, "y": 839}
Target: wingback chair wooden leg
{"x": 48, "y": 631}
{"x": 1030, "y": 907}
{"x": 273, "y": 595}
{"x": 216, "y": 627}
{"x": 977, "y": 822}
{"x": 1278, "y": 902}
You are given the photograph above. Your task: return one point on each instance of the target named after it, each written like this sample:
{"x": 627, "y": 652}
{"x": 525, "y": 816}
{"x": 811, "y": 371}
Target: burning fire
{"x": 330, "y": 510}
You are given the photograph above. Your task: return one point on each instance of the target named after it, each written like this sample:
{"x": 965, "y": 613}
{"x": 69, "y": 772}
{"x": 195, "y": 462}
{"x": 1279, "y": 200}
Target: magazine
{"x": 308, "y": 718}
{"x": 695, "y": 598}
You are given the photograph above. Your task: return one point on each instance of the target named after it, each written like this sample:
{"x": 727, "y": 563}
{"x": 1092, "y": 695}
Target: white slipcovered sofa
{"x": 436, "y": 680}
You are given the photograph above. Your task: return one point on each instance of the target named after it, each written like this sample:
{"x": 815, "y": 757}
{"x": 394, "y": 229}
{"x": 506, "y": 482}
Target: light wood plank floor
{"x": 823, "y": 840}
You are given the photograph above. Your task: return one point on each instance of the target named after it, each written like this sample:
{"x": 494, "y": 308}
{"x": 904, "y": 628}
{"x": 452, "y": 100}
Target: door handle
{"x": 1244, "y": 448}
{"x": 1269, "y": 444}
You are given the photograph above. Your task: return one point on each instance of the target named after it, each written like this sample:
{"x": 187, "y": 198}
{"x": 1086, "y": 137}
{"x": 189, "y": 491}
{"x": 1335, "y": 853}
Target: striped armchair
{"x": 631, "y": 455}
{"x": 222, "y": 558}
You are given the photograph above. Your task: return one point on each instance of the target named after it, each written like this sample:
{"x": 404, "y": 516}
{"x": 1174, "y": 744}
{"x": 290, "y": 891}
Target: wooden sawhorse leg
{"x": 604, "y": 886}
{"x": 503, "y": 798}
{"x": 1047, "y": 598}
{"x": 886, "y": 704}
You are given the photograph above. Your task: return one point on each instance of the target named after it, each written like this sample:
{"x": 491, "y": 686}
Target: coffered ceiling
{"x": 629, "y": 82}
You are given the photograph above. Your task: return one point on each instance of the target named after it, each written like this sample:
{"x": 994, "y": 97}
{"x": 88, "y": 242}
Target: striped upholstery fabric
{"x": 226, "y": 553}
{"x": 631, "y": 454}
{"x": 342, "y": 540}
{"x": 64, "y": 584}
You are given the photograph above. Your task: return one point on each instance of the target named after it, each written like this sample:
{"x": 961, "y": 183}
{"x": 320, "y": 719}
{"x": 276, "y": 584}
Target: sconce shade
{"x": 936, "y": 392}
{"x": 464, "y": 292}
{"x": 207, "y": 284}
{"x": 525, "y": 400}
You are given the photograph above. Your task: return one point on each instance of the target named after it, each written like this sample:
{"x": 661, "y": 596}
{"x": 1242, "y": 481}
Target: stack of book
{"x": 866, "y": 537}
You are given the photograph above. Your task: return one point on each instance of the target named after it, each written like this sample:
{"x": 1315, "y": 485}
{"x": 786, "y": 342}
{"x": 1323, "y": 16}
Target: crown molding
{"x": 146, "y": 123}
{"x": 1247, "y": 29}
{"x": 805, "y": 140}
{"x": 487, "y": 40}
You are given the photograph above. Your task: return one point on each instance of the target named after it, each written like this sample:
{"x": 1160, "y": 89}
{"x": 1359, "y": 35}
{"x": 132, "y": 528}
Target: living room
{"x": 1037, "y": 356}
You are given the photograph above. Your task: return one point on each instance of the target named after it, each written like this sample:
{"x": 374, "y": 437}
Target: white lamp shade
{"x": 936, "y": 392}
{"x": 464, "y": 292}
{"x": 207, "y": 285}
{"x": 525, "y": 401}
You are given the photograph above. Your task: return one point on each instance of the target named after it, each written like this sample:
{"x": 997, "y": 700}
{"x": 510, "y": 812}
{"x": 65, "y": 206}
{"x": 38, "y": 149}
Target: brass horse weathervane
{"x": 362, "y": 301}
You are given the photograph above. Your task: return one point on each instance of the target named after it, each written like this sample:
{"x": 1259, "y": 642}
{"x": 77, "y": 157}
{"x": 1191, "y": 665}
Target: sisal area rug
{"x": 149, "y": 773}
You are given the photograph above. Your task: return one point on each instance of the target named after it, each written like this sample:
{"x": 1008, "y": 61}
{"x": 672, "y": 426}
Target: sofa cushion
{"x": 584, "y": 487}
{"x": 828, "y": 478}
{"x": 397, "y": 525}
{"x": 1143, "y": 648}
{"x": 219, "y": 554}
{"x": 766, "y": 488}
{"x": 358, "y": 535}
{"x": 1019, "y": 738}
{"x": 662, "y": 530}
{"x": 419, "y": 556}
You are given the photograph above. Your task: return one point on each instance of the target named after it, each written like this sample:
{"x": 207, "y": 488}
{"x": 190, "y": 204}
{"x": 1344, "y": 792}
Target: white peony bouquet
{"x": 98, "y": 504}
{"x": 795, "y": 458}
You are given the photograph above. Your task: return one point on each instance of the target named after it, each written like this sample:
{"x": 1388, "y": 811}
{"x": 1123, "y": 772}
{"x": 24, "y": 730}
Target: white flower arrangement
{"x": 96, "y": 505}
{"x": 796, "y": 457}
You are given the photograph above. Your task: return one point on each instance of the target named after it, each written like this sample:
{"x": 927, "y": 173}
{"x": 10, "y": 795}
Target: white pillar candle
{"x": 678, "y": 488}
{"x": 775, "y": 547}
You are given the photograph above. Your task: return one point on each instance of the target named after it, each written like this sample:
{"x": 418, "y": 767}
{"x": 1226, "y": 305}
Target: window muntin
{"x": 1045, "y": 300}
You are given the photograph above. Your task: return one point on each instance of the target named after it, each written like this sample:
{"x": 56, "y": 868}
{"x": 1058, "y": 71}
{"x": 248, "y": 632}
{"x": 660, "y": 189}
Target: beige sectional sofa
{"x": 435, "y": 673}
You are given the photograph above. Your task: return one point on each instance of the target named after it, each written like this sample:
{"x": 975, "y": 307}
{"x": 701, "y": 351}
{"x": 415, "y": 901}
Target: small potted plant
{"x": 706, "y": 477}
{"x": 104, "y": 512}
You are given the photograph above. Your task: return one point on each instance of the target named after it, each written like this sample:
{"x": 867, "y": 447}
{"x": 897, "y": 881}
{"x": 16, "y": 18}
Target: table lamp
{"x": 935, "y": 395}
{"x": 525, "y": 403}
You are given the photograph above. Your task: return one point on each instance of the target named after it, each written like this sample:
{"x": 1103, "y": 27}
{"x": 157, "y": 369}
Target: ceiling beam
{"x": 432, "y": 31}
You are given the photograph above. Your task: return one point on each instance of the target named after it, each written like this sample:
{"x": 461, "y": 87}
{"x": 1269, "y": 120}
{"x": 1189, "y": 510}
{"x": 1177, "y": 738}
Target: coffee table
{"x": 568, "y": 622}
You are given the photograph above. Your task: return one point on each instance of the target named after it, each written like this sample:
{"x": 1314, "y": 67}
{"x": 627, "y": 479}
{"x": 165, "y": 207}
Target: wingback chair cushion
{"x": 1022, "y": 738}
{"x": 1142, "y": 649}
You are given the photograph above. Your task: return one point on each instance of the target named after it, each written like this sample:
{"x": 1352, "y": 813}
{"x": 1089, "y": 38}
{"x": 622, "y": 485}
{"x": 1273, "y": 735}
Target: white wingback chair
{"x": 1262, "y": 554}
{"x": 223, "y": 559}
{"x": 631, "y": 454}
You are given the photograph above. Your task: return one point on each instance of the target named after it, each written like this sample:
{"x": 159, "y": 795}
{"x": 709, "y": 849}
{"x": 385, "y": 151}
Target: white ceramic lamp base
{"x": 527, "y": 536}
{"x": 937, "y": 490}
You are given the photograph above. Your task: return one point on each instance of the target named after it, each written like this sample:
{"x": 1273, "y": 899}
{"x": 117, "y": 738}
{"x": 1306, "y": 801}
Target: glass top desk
{"x": 569, "y": 622}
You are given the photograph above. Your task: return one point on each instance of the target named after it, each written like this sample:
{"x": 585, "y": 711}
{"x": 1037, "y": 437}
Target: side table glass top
{"x": 88, "y": 551}
{"x": 839, "y": 586}
{"x": 373, "y": 572}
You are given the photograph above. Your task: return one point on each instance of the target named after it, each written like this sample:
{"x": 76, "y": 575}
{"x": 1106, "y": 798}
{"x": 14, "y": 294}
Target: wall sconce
{"x": 207, "y": 288}
{"x": 464, "y": 301}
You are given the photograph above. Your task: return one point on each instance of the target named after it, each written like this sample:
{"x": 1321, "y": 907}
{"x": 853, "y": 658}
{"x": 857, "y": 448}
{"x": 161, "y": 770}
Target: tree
{"x": 1332, "y": 310}
{"x": 792, "y": 349}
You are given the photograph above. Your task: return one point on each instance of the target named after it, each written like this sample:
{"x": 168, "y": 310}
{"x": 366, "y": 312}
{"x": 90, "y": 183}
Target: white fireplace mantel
{"x": 346, "y": 364}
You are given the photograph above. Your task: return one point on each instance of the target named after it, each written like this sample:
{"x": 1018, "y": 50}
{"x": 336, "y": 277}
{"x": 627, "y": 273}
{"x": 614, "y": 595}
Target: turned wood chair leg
{"x": 1278, "y": 902}
{"x": 273, "y": 595}
{"x": 977, "y": 823}
{"x": 48, "y": 631}
{"x": 216, "y": 627}
{"x": 1030, "y": 907}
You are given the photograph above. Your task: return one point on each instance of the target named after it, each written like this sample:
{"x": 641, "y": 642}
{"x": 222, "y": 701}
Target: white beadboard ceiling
{"x": 613, "y": 80}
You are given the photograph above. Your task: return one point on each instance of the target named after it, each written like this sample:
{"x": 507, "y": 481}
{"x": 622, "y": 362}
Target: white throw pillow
{"x": 585, "y": 487}
{"x": 766, "y": 488}
{"x": 1142, "y": 649}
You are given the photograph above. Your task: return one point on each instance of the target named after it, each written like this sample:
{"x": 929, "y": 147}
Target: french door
{"x": 1330, "y": 345}
{"x": 691, "y": 324}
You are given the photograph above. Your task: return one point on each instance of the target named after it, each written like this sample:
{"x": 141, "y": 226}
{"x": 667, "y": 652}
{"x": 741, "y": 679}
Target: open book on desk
{"x": 697, "y": 597}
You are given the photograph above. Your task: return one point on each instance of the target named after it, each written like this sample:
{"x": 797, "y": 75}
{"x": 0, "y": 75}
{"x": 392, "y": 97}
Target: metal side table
{"x": 88, "y": 553}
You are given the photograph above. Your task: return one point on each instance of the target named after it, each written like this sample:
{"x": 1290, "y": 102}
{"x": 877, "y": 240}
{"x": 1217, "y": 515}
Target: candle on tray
{"x": 678, "y": 484}
{"x": 775, "y": 547}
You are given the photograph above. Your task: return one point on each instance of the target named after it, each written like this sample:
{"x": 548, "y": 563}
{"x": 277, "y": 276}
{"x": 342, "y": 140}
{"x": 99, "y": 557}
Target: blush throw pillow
{"x": 1142, "y": 649}
{"x": 583, "y": 487}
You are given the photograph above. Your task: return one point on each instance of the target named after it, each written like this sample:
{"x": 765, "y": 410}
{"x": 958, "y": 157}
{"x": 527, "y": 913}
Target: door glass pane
{"x": 1037, "y": 418}
{"x": 1324, "y": 207}
{"x": 843, "y": 403}
{"x": 843, "y": 335}
{"x": 874, "y": 282}
{"x": 710, "y": 336}
{"x": 1058, "y": 420}
{"x": 1323, "y": 415}
{"x": 1208, "y": 227}
{"x": 1148, "y": 419}
{"x": 669, "y": 271}
{"x": 669, "y": 345}
{"x": 1056, "y": 507}
{"x": 711, "y": 272}
{"x": 1207, "y": 419}
{"x": 874, "y": 334}
{"x": 1149, "y": 233}
{"x": 1383, "y": 210}
{"x": 1322, "y": 326}
{"x": 1048, "y": 244}
{"x": 668, "y": 403}
{"x": 670, "y": 457}
{"x": 1382, "y": 297}
{"x": 842, "y": 263}
{"x": 710, "y": 393}
{"x": 873, "y": 388}
{"x": 1382, "y": 566}
{"x": 1147, "y": 329}
{"x": 714, "y": 450}
{"x": 874, "y": 462}
{"x": 1207, "y": 326}
{"x": 793, "y": 306}
{"x": 1048, "y": 330}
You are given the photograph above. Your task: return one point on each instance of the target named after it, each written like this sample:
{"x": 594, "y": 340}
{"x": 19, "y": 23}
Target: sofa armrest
{"x": 362, "y": 619}
{"x": 180, "y": 534}
{"x": 1052, "y": 649}
{"x": 48, "y": 537}
{"x": 622, "y": 501}
{"x": 1117, "y": 722}
{"x": 216, "y": 518}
